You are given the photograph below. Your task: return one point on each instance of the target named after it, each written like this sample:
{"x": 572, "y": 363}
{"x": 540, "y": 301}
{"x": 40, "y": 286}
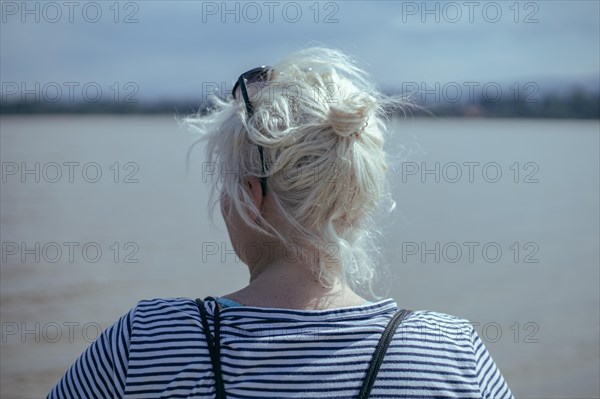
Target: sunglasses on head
{"x": 256, "y": 75}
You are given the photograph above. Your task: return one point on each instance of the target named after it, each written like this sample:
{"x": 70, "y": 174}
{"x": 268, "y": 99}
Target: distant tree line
{"x": 577, "y": 104}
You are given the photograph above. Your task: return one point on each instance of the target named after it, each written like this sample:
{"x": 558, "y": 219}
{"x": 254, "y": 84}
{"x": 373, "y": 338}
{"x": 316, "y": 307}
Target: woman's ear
{"x": 255, "y": 190}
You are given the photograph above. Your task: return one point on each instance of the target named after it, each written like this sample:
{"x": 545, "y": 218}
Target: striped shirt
{"x": 158, "y": 350}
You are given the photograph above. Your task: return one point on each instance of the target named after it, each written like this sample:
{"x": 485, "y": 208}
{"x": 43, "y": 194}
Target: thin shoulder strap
{"x": 380, "y": 350}
{"x": 213, "y": 344}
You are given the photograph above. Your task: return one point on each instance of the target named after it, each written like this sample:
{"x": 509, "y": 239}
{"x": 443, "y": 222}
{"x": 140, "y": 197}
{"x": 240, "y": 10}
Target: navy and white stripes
{"x": 158, "y": 350}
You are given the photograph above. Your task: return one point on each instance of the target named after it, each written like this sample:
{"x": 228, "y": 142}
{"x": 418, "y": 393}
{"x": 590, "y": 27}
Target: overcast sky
{"x": 171, "y": 48}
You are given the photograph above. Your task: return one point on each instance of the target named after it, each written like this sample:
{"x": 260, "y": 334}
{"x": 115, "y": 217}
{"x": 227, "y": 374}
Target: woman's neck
{"x": 291, "y": 285}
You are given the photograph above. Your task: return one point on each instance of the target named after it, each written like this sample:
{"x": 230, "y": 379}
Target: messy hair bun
{"x": 350, "y": 118}
{"x": 321, "y": 124}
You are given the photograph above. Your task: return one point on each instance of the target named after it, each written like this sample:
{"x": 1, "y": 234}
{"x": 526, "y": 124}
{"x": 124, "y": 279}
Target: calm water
{"x": 496, "y": 222}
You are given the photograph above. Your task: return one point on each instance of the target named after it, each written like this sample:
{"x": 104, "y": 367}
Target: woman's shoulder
{"x": 166, "y": 301}
{"x": 158, "y": 304}
{"x": 148, "y": 309}
{"x": 437, "y": 318}
{"x": 438, "y": 325}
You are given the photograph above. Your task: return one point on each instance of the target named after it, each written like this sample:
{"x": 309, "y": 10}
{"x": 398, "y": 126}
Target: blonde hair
{"x": 321, "y": 124}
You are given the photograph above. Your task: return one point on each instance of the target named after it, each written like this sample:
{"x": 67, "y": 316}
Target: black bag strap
{"x": 380, "y": 350}
{"x": 374, "y": 364}
{"x": 213, "y": 344}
